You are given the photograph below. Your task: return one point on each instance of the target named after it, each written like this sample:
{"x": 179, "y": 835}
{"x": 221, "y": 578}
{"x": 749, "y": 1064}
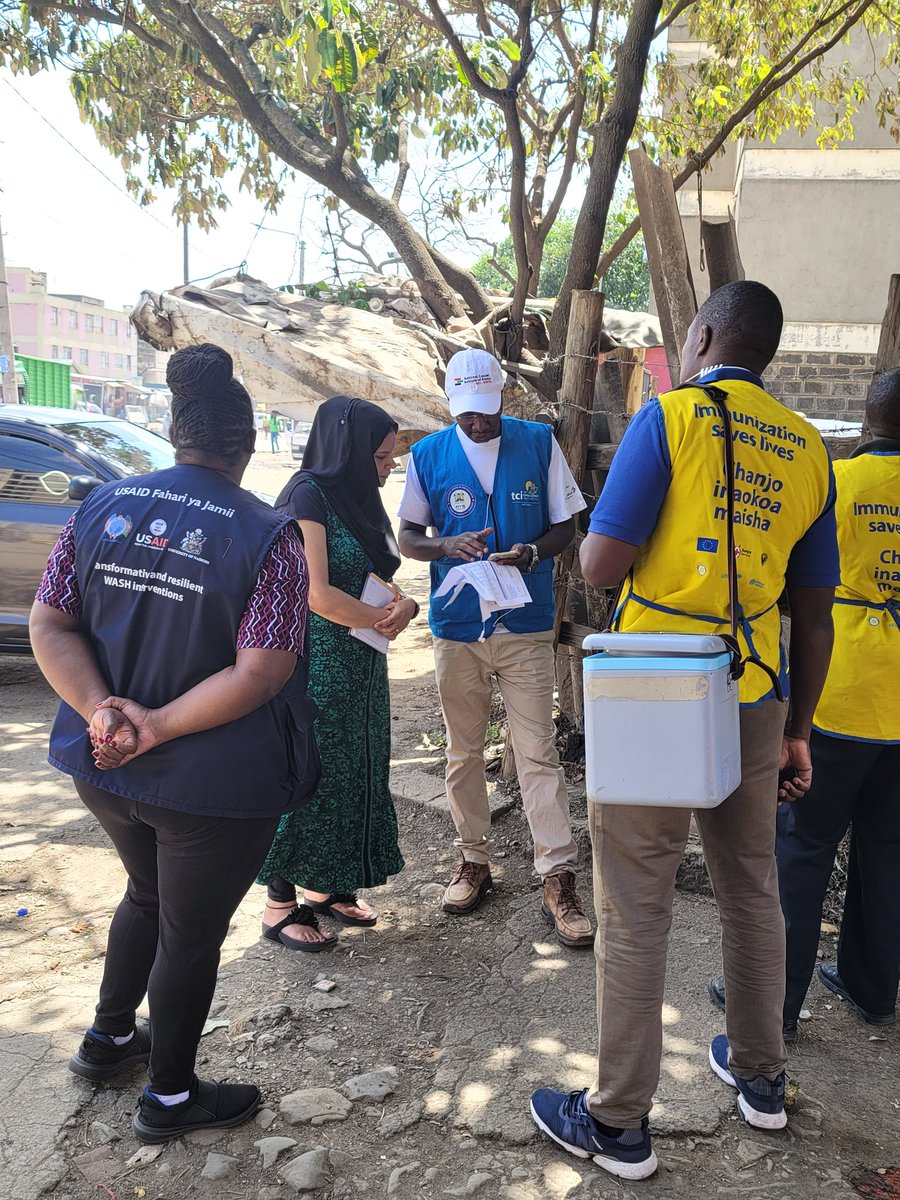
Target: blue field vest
{"x": 518, "y": 511}
{"x": 166, "y": 563}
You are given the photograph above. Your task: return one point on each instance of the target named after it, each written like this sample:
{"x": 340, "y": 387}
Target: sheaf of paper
{"x": 499, "y": 588}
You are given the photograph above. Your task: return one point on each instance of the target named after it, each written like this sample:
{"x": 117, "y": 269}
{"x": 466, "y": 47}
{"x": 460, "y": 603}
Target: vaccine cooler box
{"x": 660, "y": 720}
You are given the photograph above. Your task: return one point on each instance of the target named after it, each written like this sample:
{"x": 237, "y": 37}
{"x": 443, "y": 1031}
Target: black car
{"x": 50, "y": 459}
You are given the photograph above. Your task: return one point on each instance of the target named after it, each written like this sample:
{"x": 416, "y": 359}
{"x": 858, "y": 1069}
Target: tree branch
{"x": 476, "y": 82}
{"x": 402, "y": 159}
{"x": 673, "y": 16}
{"x": 776, "y": 79}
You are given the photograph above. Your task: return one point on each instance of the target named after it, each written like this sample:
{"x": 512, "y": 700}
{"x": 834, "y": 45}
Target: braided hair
{"x": 212, "y": 412}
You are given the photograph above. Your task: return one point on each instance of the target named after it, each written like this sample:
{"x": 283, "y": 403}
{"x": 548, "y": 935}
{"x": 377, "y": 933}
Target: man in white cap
{"x": 491, "y": 484}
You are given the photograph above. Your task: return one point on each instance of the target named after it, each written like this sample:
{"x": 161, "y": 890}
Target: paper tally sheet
{"x": 499, "y": 587}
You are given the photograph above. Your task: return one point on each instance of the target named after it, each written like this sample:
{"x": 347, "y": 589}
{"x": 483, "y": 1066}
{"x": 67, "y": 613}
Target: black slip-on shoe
{"x": 716, "y": 990}
{"x": 99, "y": 1058}
{"x": 209, "y": 1106}
{"x": 829, "y": 976}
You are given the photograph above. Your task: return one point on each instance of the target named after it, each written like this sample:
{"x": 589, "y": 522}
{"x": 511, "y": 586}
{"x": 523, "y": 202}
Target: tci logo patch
{"x": 530, "y": 492}
{"x": 460, "y": 500}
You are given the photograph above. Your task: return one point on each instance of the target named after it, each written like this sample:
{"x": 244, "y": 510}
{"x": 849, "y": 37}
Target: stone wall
{"x": 829, "y": 384}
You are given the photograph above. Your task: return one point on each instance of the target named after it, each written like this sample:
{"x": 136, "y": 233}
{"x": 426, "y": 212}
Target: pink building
{"x": 97, "y": 341}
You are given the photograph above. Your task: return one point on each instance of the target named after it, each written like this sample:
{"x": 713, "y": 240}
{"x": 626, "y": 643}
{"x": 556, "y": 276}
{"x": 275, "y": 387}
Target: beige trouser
{"x": 636, "y": 854}
{"x": 524, "y": 666}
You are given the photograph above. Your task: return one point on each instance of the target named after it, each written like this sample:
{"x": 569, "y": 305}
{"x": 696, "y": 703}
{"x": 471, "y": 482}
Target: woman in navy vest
{"x": 347, "y": 838}
{"x": 171, "y": 621}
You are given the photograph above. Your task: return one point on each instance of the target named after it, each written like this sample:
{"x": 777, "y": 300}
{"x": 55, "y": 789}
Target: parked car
{"x": 137, "y": 415}
{"x": 50, "y": 459}
{"x": 299, "y": 438}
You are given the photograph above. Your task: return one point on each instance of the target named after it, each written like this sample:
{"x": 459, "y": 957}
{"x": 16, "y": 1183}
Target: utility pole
{"x": 8, "y": 388}
{"x": 302, "y": 278}
{"x": 186, "y": 252}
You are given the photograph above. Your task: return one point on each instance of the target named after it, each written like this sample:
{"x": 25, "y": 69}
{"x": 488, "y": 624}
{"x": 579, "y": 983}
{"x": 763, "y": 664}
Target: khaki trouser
{"x": 636, "y": 854}
{"x": 524, "y": 666}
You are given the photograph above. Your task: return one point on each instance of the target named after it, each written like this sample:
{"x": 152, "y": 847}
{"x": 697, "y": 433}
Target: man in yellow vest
{"x": 855, "y": 746}
{"x": 662, "y": 519}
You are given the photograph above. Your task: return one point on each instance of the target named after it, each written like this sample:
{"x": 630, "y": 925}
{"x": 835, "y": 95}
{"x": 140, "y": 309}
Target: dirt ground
{"x": 463, "y": 1017}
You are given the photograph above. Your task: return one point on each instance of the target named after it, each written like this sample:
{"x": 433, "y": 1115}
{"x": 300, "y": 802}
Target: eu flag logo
{"x": 707, "y": 545}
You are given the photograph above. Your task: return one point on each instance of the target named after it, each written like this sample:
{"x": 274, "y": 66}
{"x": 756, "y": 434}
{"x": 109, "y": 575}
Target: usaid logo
{"x": 530, "y": 493}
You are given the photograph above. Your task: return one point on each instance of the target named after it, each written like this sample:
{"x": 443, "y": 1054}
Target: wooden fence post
{"x": 667, "y": 257}
{"x": 576, "y": 401}
{"x": 888, "y": 352}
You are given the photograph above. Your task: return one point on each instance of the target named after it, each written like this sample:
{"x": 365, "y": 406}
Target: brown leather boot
{"x": 562, "y": 909}
{"x": 469, "y": 883}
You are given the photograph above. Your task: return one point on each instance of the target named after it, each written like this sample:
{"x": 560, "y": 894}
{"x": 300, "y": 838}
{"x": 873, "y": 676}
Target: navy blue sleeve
{"x": 638, "y": 480}
{"x": 306, "y": 503}
{"x": 815, "y": 560}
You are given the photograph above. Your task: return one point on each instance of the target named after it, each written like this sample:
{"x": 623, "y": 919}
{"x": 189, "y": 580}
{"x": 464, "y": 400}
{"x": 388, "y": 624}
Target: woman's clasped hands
{"x": 120, "y": 730}
{"x": 397, "y": 615}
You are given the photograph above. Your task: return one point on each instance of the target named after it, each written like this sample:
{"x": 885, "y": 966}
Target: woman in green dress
{"x": 346, "y": 838}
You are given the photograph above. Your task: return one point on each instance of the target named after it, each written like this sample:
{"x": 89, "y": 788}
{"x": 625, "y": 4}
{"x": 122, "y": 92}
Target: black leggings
{"x": 186, "y": 876}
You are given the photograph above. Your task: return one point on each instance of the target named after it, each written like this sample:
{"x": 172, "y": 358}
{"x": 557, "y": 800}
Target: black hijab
{"x": 339, "y": 457}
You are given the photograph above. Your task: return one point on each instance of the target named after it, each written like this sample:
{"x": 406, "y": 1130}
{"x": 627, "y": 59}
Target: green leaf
{"x": 346, "y": 69}
{"x": 510, "y": 49}
{"x": 327, "y": 11}
{"x": 328, "y": 49}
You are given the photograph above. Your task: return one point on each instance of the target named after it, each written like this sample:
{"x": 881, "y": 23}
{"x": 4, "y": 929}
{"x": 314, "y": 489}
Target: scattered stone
{"x": 751, "y": 1152}
{"x": 340, "y": 1159}
{"x": 308, "y": 1172}
{"x": 471, "y": 1186}
{"x": 104, "y": 1133}
{"x": 805, "y": 1014}
{"x": 322, "y": 1001}
{"x": 322, "y": 1044}
{"x": 144, "y": 1156}
{"x": 431, "y": 1174}
{"x": 164, "y": 1170}
{"x": 213, "y": 1023}
{"x": 217, "y": 1008}
{"x": 219, "y": 1166}
{"x": 401, "y": 1117}
{"x": 314, "y": 1106}
{"x": 265, "y": 1117}
{"x": 96, "y": 1165}
{"x": 270, "y": 1147}
{"x": 204, "y": 1137}
{"x": 325, "y": 985}
{"x": 271, "y": 1191}
{"x": 397, "y": 1175}
{"x": 431, "y": 891}
{"x": 274, "y": 1014}
{"x": 372, "y": 1085}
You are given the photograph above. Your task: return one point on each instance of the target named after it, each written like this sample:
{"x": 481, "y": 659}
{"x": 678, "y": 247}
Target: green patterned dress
{"x": 346, "y": 837}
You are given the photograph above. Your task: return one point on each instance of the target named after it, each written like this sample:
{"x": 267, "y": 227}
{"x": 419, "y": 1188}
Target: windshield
{"x": 127, "y": 448}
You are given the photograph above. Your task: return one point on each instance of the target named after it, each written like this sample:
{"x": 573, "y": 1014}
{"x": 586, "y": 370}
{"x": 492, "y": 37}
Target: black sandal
{"x": 301, "y": 915}
{"x": 349, "y": 898}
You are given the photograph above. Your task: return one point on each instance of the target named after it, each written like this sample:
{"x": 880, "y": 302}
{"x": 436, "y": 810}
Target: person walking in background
{"x": 171, "y": 621}
{"x": 491, "y": 483}
{"x": 659, "y": 521}
{"x": 274, "y": 430}
{"x": 347, "y": 838}
{"x": 855, "y": 748}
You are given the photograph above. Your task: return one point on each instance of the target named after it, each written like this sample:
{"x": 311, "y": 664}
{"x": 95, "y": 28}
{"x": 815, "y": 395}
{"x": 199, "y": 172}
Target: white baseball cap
{"x": 474, "y": 383}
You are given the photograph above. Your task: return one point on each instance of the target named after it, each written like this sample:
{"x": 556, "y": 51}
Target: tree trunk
{"x": 612, "y": 135}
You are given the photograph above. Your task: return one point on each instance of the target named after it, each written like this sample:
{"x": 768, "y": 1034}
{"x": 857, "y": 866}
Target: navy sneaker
{"x": 99, "y": 1058}
{"x": 760, "y": 1100}
{"x": 565, "y": 1118}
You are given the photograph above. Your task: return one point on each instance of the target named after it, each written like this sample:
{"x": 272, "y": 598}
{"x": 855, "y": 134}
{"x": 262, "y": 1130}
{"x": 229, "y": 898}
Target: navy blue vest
{"x": 166, "y": 563}
{"x": 518, "y": 511}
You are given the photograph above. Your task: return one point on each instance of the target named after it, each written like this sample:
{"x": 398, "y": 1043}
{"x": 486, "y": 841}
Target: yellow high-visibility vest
{"x": 861, "y": 699}
{"x": 680, "y": 577}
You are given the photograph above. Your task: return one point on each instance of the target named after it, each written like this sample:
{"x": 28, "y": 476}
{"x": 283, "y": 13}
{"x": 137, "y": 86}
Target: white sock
{"x": 169, "y": 1101}
{"x": 122, "y": 1041}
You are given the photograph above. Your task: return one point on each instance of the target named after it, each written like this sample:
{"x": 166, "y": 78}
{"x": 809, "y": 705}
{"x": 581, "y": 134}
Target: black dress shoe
{"x": 209, "y": 1106}
{"x": 716, "y": 989}
{"x": 829, "y": 976}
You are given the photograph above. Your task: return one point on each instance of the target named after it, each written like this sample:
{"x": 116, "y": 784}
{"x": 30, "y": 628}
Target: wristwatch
{"x": 534, "y": 557}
